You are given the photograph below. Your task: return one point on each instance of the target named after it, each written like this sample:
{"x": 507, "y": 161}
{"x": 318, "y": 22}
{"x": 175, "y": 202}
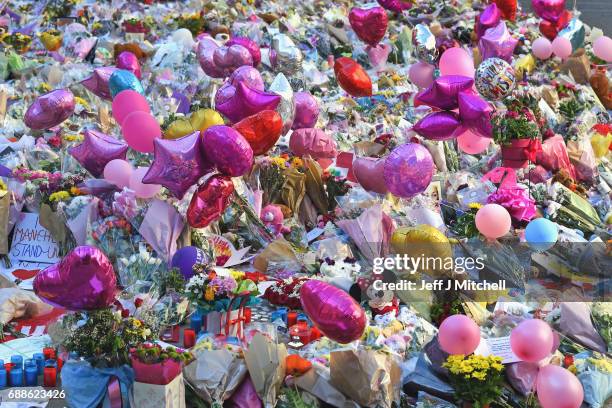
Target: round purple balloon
{"x": 50, "y": 110}
{"x": 306, "y": 110}
{"x": 438, "y": 126}
{"x": 83, "y": 280}
{"x": 408, "y": 170}
{"x": 227, "y": 150}
{"x": 249, "y": 45}
{"x": 185, "y": 258}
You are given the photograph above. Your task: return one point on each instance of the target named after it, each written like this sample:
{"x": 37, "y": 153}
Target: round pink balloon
{"x": 143, "y": 190}
{"x": 472, "y": 143}
{"x": 333, "y": 311}
{"x": 532, "y": 340}
{"x": 128, "y": 101}
{"x": 602, "y": 47}
{"x": 421, "y": 74}
{"x": 459, "y": 335}
{"x": 456, "y": 61}
{"x": 542, "y": 48}
{"x": 118, "y": 172}
{"x": 558, "y": 388}
{"x": 493, "y": 221}
{"x": 562, "y": 47}
{"x": 139, "y": 130}
{"x": 83, "y": 280}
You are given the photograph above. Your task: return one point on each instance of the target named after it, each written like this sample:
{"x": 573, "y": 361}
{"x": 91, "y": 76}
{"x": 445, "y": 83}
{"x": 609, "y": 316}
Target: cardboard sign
{"x": 32, "y": 242}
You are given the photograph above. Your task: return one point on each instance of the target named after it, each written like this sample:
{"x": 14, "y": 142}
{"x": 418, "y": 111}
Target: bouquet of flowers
{"x": 285, "y": 292}
{"x": 154, "y": 365}
{"x": 476, "y": 379}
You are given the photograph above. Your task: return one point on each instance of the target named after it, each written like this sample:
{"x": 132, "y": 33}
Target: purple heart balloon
{"x": 220, "y": 61}
{"x": 97, "y": 150}
{"x": 227, "y": 150}
{"x": 178, "y": 164}
{"x": 129, "y": 62}
{"x": 550, "y": 10}
{"x": 98, "y": 82}
{"x": 83, "y": 280}
{"x": 245, "y": 74}
{"x": 475, "y": 113}
{"x": 50, "y": 110}
{"x": 497, "y": 43}
{"x": 395, "y": 5}
{"x": 306, "y": 110}
{"x": 490, "y": 17}
{"x": 247, "y": 101}
{"x": 408, "y": 170}
{"x": 438, "y": 126}
{"x": 249, "y": 45}
{"x": 442, "y": 94}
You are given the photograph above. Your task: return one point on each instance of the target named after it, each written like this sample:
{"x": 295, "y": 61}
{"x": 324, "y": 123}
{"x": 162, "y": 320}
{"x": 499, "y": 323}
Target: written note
{"x": 497, "y": 346}
{"x": 32, "y": 242}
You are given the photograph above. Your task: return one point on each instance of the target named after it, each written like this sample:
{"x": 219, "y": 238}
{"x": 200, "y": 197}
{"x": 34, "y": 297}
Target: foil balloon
{"x": 313, "y": 142}
{"x": 370, "y": 24}
{"x": 495, "y": 78}
{"x": 306, "y": 110}
{"x": 178, "y": 164}
{"x": 227, "y": 150}
{"x": 424, "y": 43}
{"x": 550, "y": 10}
{"x": 129, "y": 62}
{"x": 489, "y": 18}
{"x": 97, "y": 150}
{"x": 508, "y": 9}
{"x": 261, "y": 130}
{"x": 83, "y": 280}
{"x": 497, "y": 43}
{"x": 333, "y": 311}
{"x": 185, "y": 258}
{"x": 98, "y": 82}
{"x": 475, "y": 113}
{"x": 288, "y": 56}
{"x": 550, "y": 29}
{"x": 249, "y": 45}
{"x": 574, "y": 32}
{"x": 209, "y": 201}
{"x": 247, "y": 101}
{"x": 397, "y": 6}
{"x": 199, "y": 120}
{"x": 249, "y": 76}
{"x": 50, "y": 109}
{"x": 438, "y": 126}
{"x": 120, "y": 80}
{"x": 220, "y": 61}
{"x": 408, "y": 170}
{"x": 369, "y": 174}
{"x": 286, "y": 107}
{"x": 352, "y": 77}
{"x": 443, "y": 93}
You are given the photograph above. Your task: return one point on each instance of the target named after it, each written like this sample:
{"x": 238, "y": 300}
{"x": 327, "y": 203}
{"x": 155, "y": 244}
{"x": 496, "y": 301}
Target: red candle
{"x": 188, "y": 338}
{"x": 314, "y": 333}
{"x": 8, "y": 367}
{"x": 291, "y": 318}
{"x": 49, "y": 376}
{"x": 60, "y": 363}
{"x": 49, "y": 353}
{"x": 247, "y": 315}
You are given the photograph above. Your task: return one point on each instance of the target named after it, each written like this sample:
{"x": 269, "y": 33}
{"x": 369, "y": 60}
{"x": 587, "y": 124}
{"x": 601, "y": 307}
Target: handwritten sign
{"x": 497, "y": 346}
{"x": 32, "y": 242}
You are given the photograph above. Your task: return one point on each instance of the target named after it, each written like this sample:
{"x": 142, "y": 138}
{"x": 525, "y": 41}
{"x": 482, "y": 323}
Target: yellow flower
{"x": 296, "y": 162}
{"x": 475, "y": 206}
{"x": 137, "y": 323}
{"x": 146, "y": 333}
{"x": 209, "y": 294}
{"x": 3, "y": 186}
{"x": 81, "y": 101}
{"x": 75, "y": 191}
{"x": 572, "y": 369}
{"x": 479, "y": 375}
{"x": 237, "y": 275}
{"x": 59, "y": 196}
{"x": 73, "y": 138}
{"x": 279, "y": 161}
{"x": 497, "y": 366}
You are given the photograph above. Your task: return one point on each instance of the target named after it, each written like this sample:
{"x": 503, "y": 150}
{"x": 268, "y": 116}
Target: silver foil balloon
{"x": 575, "y": 32}
{"x": 424, "y": 43}
{"x": 288, "y": 56}
{"x": 286, "y": 107}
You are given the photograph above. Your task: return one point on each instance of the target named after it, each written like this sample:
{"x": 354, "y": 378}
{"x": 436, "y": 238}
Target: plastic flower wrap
{"x": 594, "y": 371}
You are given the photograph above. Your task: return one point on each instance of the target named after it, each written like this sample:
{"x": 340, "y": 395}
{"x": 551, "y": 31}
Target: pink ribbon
{"x": 114, "y": 392}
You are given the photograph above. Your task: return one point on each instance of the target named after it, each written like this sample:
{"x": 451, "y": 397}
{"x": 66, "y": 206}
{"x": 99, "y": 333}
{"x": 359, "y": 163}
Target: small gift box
{"x": 170, "y": 395}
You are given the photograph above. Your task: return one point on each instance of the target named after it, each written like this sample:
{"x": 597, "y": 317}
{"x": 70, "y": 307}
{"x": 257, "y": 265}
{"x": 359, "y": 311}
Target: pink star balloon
{"x": 490, "y": 17}
{"x": 178, "y": 164}
{"x": 497, "y": 43}
{"x": 247, "y": 101}
{"x": 98, "y": 82}
{"x": 97, "y": 150}
{"x": 475, "y": 113}
{"x": 442, "y": 94}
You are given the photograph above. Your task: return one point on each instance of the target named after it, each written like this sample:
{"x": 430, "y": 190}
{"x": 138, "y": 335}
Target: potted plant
{"x": 517, "y": 131}
{"x": 154, "y": 365}
{"x": 477, "y": 380}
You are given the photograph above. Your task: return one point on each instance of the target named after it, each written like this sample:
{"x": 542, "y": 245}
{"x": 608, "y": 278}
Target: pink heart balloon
{"x": 550, "y": 10}
{"x": 369, "y": 173}
{"x": 395, "y": 5}
{"x": 83, "y": 280}
{"x": 370, "y": 24}
{"x": 220, "y": 61}
{"x": 313, "y": 142}
{"x": 378, "y": 54}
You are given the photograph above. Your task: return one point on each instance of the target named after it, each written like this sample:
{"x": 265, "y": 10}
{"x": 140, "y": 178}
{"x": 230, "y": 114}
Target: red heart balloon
{"x": 550, "y": 29}
{"x": 508, "y": 9}
{"x": 209, "y": 201}
{"x": 370, "y": 24}
{"x": 352, "y": 77}
{"x": 261, "y": 130}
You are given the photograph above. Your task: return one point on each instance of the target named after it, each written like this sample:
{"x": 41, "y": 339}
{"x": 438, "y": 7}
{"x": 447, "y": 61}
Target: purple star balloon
{"x": 98, "y": 82}
{"x": 97, "y": 150}
{"x": 442, "y": 94}
{"x": 438, "y": 126}
{"x": 247, "y": 101}
{"x": 497, "y": 43}
{"x": 178, "y": 164}
{"x": 475, "y": 113}
{"x": 489, "y": 18}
